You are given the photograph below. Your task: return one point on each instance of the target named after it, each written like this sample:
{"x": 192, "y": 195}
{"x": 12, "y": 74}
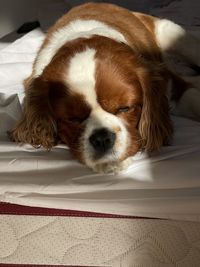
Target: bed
{"x": 55, "y": 211}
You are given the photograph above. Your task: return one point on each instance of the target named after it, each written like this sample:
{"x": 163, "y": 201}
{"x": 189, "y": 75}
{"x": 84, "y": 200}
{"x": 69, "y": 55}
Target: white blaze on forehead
{"x": 80, "y": 79}
{"x": 76, "y": 29}
{"x": 81, "y": 75}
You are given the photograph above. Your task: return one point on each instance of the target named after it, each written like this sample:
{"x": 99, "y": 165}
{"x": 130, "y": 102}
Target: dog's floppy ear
{"x": 37, "y": 126}
{"x": 155, "y": 126}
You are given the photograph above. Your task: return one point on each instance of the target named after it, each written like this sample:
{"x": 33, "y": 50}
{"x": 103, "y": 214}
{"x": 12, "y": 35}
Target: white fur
{"x": 171, "y": 37}
{"x": 76, "y": 29}
{"x": 114, "y": 167}
{"x": 81, "y": 75}
{"x": 167, "y": 33}
{"x": 80, "y": 79}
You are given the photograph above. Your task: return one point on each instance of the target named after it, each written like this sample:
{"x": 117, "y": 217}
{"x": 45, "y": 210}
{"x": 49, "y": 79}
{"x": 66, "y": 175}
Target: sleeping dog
{"x": 102, "y": 83}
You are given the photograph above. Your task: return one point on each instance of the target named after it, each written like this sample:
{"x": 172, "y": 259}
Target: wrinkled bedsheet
{"x": 165, "y": 185}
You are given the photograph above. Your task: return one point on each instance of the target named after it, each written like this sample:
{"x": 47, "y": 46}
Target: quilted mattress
{"x": 38, "y": 236}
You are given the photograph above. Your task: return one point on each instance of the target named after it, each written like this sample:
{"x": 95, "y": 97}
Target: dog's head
{"x": 103, "y": 100}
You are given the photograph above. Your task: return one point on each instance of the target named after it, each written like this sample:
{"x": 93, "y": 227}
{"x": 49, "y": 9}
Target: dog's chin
{"x": 108, "y": 163}
{"x": 114, "y": 167}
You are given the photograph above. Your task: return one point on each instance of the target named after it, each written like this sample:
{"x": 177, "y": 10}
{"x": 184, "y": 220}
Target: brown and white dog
{"x": 101, "y": 82}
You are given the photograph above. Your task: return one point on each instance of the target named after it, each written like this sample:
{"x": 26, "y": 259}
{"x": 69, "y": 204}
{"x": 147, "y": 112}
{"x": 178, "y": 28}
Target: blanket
{"x": 165, "y": 185}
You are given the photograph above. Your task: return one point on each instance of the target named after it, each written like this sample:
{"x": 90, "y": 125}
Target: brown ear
{"x": 155, "y": 125}
{"x": 37, "y": 126}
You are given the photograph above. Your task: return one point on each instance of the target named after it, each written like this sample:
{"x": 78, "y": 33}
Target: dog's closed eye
{"x": 125, "y": 109}
{"x": 76, "y": 120}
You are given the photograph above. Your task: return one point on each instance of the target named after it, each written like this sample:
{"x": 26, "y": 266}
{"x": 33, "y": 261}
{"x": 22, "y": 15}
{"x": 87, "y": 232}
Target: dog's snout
{"x": 102, "y": 140}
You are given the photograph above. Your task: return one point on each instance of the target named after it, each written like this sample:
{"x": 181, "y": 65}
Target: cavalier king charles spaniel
{"x": 102, "y": 83}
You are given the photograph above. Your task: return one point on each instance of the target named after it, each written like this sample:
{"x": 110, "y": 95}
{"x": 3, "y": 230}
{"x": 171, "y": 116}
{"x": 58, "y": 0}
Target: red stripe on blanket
{"x": 43, "y": 265}
{"x": 13, "y": 209}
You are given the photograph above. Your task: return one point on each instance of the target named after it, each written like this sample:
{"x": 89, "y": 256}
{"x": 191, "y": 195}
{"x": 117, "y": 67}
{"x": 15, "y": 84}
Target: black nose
{"x": 102, "y": 140}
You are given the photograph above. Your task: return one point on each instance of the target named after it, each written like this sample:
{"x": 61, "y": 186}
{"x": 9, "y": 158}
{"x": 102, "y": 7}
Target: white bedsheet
{"x": 166, "y": 185}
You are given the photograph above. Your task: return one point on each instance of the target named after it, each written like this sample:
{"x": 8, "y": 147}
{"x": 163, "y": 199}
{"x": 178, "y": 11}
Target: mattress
{"x": 48, "y": 237}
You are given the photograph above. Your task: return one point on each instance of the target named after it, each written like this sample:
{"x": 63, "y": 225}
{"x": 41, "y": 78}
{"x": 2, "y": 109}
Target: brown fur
{"x": 127, "y": 75}
{"x": 155, "y": 125}
{"x": 37, "y": 126}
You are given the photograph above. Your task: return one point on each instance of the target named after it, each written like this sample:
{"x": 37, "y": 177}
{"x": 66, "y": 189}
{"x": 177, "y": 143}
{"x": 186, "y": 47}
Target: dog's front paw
{"x": 113, "y": 167}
